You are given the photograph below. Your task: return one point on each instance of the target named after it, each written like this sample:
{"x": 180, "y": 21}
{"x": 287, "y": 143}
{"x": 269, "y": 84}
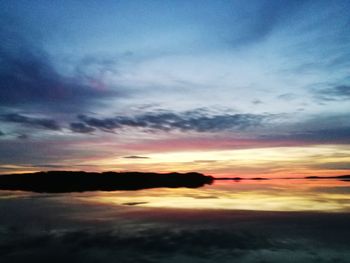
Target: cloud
{"x": 43, "y": 123}
{"x": 287, "y": 96}
{"x": 2, "y": 133}
{"x": 135, "y": 157}
{"x": 334, "y": 165}
{"x": 107, "y": 124}
{"x": 79, "y": 127}
{"x": 185, "y": 121}
{"x": 341, "y": 92}
{"x": 23, "y": 137}
{"x": 29, "y": 77}
{"x": 257, "y": 101}
{"x": 339, "y": 135}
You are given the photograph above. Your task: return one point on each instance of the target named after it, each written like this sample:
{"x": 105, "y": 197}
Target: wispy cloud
{"x": 23, "y": 136}
{"x": 335, "y": 135}
{"x": 337, "y": 93}
{"x": 29, "y": 77}
{"x": 42, "y": 123}
{"x": 79, "y": 127}
{"x": 135, "y": 157}
{"x": 185, "y": 121}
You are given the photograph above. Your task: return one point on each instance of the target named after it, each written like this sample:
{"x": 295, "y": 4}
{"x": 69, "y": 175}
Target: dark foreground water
{"x": 246, "y": 221}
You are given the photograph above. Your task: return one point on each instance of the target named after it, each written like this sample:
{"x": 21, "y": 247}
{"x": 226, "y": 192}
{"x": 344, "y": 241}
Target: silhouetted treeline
{"x": 329, "y": 177}
{"x": 67, "y": 181}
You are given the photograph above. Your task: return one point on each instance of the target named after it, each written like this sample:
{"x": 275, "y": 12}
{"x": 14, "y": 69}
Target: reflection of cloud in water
{"x": 134, "y": 203}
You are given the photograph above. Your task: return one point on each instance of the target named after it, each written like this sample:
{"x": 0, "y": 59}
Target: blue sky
{"x": 86, "y": 74}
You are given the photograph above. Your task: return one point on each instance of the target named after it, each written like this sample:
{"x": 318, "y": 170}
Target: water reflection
{"x": 216, "y": 223}
{"x": 270, "y": 195}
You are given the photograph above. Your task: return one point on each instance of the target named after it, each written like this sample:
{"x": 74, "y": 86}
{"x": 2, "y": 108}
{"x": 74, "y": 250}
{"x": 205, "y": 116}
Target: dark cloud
{"x": 22, "y": 136}
{"x": 53, "y": 166}
{"x": 330, "y": 135}
{"x": 341, "y": 92}
{"x": 135, "y": 157}
{"x": 134, "y": 203}
{"x": 107, "y": 124}
{"x": 334, "y": 165}
{"x": 79, "y": 127}
{"x": 29, "y": 78}
{"x": 186, "y": 121}
{"x": 341, "y": 134}
{"x": 43, "y": 123}
{"x": 1, "y": 133}
{"x": 257, "y": 101}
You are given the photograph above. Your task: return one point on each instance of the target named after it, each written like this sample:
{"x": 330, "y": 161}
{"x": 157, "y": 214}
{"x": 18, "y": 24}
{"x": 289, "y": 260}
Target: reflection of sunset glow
{"x": 273, "y": 195}
{"x": 276, "y": 161}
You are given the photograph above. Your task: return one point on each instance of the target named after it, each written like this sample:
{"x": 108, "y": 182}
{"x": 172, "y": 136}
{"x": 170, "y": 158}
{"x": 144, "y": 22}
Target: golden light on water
{"x": 272, "y": 195}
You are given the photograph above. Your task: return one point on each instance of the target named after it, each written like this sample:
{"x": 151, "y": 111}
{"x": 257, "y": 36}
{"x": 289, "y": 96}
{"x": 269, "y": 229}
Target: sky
{"x": 226, "y": 88}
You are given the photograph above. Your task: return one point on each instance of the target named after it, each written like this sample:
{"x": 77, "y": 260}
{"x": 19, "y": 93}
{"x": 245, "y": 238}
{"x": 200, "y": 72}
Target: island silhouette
{"x": 340, "y": 177}
{"x": 79, "y": 181}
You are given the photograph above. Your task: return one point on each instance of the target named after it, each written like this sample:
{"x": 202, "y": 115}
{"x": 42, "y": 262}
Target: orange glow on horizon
{"x": 273, "y": 162}
{"x": 263, "y": 162}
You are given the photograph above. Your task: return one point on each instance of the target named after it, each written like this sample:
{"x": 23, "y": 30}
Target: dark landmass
{"x": 66, "y": 181}
{"x": 340, "y": 177}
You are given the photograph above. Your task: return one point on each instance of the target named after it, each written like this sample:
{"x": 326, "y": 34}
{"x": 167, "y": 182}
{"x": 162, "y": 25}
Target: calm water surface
{"x": 267, "y": 195}
{"x": 304, "y": 221}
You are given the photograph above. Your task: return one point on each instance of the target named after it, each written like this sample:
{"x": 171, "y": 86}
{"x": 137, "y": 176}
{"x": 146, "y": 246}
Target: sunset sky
{"x": 227, "y": 88}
